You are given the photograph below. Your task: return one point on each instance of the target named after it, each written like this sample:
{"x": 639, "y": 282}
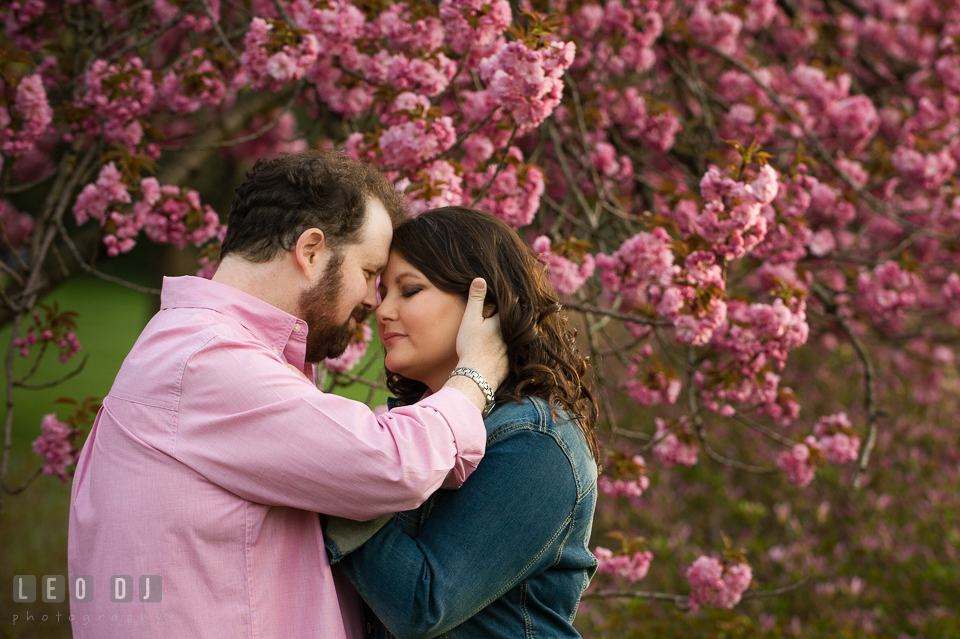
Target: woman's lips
{"x": 390, "y": 338}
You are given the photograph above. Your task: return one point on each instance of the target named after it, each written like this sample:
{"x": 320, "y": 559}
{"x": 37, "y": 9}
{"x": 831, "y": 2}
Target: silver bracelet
{"x": 481, "y": 382}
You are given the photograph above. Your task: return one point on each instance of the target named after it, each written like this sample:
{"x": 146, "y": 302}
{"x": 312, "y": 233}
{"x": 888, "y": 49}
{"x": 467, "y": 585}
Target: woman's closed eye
{"x": 410, "y": 291}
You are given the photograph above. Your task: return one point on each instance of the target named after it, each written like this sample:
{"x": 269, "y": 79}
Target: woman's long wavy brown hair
{"x": 453, "y": 245}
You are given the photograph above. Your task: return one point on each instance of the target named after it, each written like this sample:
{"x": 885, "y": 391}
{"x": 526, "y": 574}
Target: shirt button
{"x": 276, "y": 351}
{"x": 296, "y": 328}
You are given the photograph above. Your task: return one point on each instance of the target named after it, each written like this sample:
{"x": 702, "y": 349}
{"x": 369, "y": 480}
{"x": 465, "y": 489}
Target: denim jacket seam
{"x": 513, "y": 582}
{"x": 403, "y": 517}
{"x": 527, "y": 622}
{"x": 570, "y": 528}
{"x": 509, "y": 429}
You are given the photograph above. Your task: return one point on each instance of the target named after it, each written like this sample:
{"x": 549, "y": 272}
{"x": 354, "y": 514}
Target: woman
{"x": 505, "y": 555}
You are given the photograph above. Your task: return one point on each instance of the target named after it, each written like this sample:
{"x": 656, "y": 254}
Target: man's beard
{"x": 325, "y": 338}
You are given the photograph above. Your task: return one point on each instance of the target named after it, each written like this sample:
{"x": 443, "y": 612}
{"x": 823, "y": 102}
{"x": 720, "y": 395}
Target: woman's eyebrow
{"x": 406, "y": 274}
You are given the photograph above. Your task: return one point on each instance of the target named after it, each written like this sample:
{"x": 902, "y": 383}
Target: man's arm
{"x": 249, "y": 424}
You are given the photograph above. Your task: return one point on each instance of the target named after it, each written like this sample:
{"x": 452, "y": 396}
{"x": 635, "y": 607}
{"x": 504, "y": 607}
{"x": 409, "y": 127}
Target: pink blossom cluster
{"x": 512, "y": 194}
{"x": 527, "y": 82}
{"x": 886, "y": 292}
{"x": 923, "y": 171}
{"x": 23, "y": 17}
{"x": 656, "y": 385}
{"x": 632, "y": 567}
{"x": 428, "y": 77}
{"x": 731, "y": 217}
{"x": 16, "y": 226}
{"x": 565, "y": 275}
{"x": 613, "y": 169}
{"x": 68, "y": 343}
{"x": 622, "y": 36}
{"x": 475, "y": 25}
{"x": 401, "y": 30}
{"x": 118, "y": 96}
{"x": 101, "y": 201}
{"x": 838, "y": 442}
{"x": 184, "y": 22}
{"x": 717, "y": 29}
{"x": 438, "y": 184}
{"x": 643, "y": 260}
{"x": 657, "y": 129}
{"x": 414, "y": 133}
{"x": 96, "y": 199}
{"x": 193, "y": 84}
{"x": 951, "y": 289}
{"x": 269, "y": 59}
{"x": 356, "y": 349}
{"x": 788, "y": 235}
{"x": 55, "y": 446}
{"x": 676, "y": 443}
{"x": 33, "y": 113}
{"x": 174, "y": 215}
{"x": 761, "y": 335}
{"x": 717, "y": 584}
{"x": 631, "y": 480}
{"x": 799, "y": 463}
{"x": 823, "y": 104}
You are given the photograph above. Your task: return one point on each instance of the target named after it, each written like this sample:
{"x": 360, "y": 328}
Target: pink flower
{"x": 886, "y": 292}
{"x": 35, "y": 113}
{"x": 475, "y": 25}
{"x": 821, "y": 243}
{"x": 514, "y": 193}
{"x": 169, "y": 214}
{"x": 96, "y": 198}
{"x": 565, "y": 275}
{"x": 194, "y": 83}
{"x": 54, "y": 445}
{"x": 716, "y": 584}
{"x": 631, "y": 479}
{"x": 440, "y": 185}
{"x": 17, "y": 226}
{"x": 356, "y": 349}
{"x": 630, "y": 567}
{"x": 676, "y": 446}
{"x": 641, "y": 261}
{"x": 798, "y": 463}
{"x": 951, "y": 289}
{"x": 837, "y": 440}
{"x": 528, "y": 83}
{"x": 285, "y": 64}
{"x": 118, "y": 95}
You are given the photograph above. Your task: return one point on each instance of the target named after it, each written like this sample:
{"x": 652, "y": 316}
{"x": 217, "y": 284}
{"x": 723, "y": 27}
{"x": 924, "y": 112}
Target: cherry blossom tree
{"x": 714, "y": 187}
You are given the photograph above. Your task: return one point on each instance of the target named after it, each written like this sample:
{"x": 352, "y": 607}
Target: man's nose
{"x": 370, "y": 301}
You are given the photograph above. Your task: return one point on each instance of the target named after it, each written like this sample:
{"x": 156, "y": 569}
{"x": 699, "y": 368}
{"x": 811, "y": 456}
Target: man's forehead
{"x": 377, "y": 234}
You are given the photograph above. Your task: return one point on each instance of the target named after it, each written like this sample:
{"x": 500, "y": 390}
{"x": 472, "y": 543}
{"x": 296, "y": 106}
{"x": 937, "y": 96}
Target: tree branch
{"x": 869, "y": 382}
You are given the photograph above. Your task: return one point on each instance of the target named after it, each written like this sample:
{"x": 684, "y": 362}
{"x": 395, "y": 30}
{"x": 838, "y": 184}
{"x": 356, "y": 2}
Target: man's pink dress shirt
{"x": 210, "y": 460}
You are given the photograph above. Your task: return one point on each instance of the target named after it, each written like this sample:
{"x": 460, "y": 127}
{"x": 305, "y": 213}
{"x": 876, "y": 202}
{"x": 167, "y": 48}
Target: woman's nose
{"x": 384, "y": 310}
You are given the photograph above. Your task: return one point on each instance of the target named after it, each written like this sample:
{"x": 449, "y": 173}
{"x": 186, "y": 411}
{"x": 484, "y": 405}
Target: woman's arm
{"x": 504, "y": 524}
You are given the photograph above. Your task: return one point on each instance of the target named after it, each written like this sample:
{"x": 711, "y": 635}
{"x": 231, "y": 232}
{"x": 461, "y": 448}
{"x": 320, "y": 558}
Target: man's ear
{"x": 311, "y": 253}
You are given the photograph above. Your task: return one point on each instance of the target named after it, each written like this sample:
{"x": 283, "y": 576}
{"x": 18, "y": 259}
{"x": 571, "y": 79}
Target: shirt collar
{"x": 283, "y": 333}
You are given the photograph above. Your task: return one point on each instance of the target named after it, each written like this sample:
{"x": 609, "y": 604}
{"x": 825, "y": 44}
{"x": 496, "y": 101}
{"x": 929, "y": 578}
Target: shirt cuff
{"x": 469, "y": 433}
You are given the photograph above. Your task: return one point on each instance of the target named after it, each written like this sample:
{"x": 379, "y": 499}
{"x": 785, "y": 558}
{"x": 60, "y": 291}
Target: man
{"x": 210, "y": 457}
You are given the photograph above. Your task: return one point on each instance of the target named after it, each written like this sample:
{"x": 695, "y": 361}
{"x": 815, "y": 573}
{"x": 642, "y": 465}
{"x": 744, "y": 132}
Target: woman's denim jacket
{"x": 505, "y": 555}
